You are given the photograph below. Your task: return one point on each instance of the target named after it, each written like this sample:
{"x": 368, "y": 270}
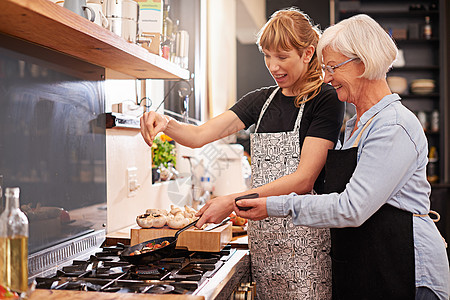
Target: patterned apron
{"x": 288, "y": 261}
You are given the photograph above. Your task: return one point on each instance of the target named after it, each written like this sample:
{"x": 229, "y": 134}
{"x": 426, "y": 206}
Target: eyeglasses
{"x": 330, "y": 69}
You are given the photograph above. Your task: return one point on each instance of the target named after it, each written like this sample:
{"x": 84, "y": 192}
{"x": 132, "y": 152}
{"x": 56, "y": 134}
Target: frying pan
{"x": 157, "y": 254}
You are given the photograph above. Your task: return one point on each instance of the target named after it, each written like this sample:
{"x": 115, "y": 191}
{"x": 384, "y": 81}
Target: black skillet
{"x": 157, "y": 254}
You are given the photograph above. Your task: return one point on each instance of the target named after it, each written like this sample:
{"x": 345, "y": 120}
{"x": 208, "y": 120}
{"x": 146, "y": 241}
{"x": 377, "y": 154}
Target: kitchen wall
{"x": 125, "y": 151}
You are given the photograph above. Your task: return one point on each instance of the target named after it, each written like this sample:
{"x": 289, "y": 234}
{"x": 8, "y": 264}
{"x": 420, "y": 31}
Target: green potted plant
{"x": 163, "y": 153}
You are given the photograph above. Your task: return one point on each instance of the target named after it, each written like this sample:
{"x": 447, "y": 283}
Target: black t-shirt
{"x": 322, "y": 115}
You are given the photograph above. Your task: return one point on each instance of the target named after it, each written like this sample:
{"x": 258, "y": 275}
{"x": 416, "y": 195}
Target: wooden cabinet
{"x": 47, "y": 24}
{"x": 424, "y": 57}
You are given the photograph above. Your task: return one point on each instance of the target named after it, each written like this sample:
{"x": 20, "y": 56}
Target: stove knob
{"x": 239, "y": 295}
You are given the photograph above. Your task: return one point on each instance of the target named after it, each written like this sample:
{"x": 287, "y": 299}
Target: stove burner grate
{"x": 182, "y": 273}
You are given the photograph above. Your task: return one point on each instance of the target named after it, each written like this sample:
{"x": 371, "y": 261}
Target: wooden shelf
{"x": 417, "y": 41}
{"x": 416, "y": 68}
{"x": 389, "y": 14}
{"x": 419, "y": 96}
{"x": 47, "y": 24}
{"x": 116, "y": 120}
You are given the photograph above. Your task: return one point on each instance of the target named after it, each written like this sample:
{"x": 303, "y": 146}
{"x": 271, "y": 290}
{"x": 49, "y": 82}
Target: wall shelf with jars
{"x": 47, "y": 24}
{"x": 417, "y": 74}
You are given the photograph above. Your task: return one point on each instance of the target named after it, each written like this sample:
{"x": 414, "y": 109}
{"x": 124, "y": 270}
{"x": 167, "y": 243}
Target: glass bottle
{"x": 13, "y": 244}
{"x": 167, "y": 31}
{"x": 173, "y": 45}
{"x": 432, "y": 166}
{"x": 427, "y": 30}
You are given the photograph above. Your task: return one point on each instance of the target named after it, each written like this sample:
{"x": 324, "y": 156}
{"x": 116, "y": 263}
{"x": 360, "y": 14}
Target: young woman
{"x": 297, "y": 121}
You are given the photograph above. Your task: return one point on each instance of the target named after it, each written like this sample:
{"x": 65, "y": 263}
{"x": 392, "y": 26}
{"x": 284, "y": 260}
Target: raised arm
{"x": 186, "y": 134}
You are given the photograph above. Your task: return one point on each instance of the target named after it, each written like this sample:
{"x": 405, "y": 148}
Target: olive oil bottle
{"x": 13, "y": 244}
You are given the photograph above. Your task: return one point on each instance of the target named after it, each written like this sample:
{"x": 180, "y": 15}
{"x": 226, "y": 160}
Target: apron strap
{"x": 355, "y": 144}
{"x": 438, "y": 217}
{"x": 266, "y": 104}
{"x": 299, "y": 116}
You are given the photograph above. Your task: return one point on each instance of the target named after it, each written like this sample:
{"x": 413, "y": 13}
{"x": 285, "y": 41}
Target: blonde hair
{"x": 289, "y": 29}
{"x": 361, "y": 37}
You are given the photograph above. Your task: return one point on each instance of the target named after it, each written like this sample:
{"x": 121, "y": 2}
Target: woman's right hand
{"x": 215, "y": 210}
{"x": 152, "y": 123}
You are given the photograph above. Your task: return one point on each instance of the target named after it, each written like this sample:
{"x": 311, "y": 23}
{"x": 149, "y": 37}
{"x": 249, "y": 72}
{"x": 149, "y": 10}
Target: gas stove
{"x": 184, "y": 272}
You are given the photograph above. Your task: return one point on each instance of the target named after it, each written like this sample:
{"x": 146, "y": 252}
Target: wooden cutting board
{"x": 193, "y": 239}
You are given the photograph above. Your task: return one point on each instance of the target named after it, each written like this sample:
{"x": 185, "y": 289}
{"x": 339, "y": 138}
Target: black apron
{"x": 375, "y": 260}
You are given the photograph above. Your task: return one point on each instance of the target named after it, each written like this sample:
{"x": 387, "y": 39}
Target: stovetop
{"x": 181, "y": 273}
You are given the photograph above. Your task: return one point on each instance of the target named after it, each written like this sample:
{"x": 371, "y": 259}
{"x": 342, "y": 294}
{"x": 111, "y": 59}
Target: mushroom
{"x": 157, "y": 211}
{"x": 158, "y": 220}
{"x": 175, "y": 210}
{"x": 190, "y": 209}
{"x": 187, "y": 214}
{"x": 144, "y": 221}
{"x": 178, "y": 221}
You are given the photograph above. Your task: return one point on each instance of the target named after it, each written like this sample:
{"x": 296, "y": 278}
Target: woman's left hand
{"x": 257, "y": 211}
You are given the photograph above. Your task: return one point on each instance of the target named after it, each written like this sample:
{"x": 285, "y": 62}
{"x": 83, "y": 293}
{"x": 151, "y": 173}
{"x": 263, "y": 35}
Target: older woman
{"x": 384, "y": 244}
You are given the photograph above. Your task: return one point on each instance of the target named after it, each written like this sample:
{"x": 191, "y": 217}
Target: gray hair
{"x": 361, "y": 37}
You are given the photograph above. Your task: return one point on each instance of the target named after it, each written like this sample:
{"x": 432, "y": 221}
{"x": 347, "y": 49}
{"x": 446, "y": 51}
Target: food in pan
{"x": 150, "y": 247}
{"x": 236, "y": 220}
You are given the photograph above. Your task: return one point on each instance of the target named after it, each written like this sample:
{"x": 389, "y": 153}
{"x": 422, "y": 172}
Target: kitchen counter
{"x": 124, "y": 236}
{"x": 77, "y": 295}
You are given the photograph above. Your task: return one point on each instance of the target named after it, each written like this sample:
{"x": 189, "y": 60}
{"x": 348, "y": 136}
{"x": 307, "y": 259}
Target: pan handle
{"x": 184, "y": 228}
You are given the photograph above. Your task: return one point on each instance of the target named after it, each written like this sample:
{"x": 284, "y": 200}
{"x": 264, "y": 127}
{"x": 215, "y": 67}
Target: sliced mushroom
{"x": 175, "y": 210}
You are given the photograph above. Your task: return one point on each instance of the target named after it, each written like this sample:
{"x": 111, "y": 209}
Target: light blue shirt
{"x": 392, "y": 160}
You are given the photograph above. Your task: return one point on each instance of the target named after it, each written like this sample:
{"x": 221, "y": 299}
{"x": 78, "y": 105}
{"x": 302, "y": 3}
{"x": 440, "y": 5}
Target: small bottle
{"x": 166, "y": 44}
{"x": 182, "y": 48}
{"x": 432, "y": 166}
{"x": 13, "y": 244}
{"x": 173, "y": 45}
{"x": 435, "y": 121}
{"x": 207, "y": 184}
{"x": 427, "y": 30}
{"x": 423, "y": 119}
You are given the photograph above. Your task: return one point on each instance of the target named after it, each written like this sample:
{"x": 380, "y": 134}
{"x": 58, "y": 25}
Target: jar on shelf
{"x": 434, "y": 123}
{"x": 423, "y": 119}
{"x": 432, "y": 166}
{"x": 427, "y": 29}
